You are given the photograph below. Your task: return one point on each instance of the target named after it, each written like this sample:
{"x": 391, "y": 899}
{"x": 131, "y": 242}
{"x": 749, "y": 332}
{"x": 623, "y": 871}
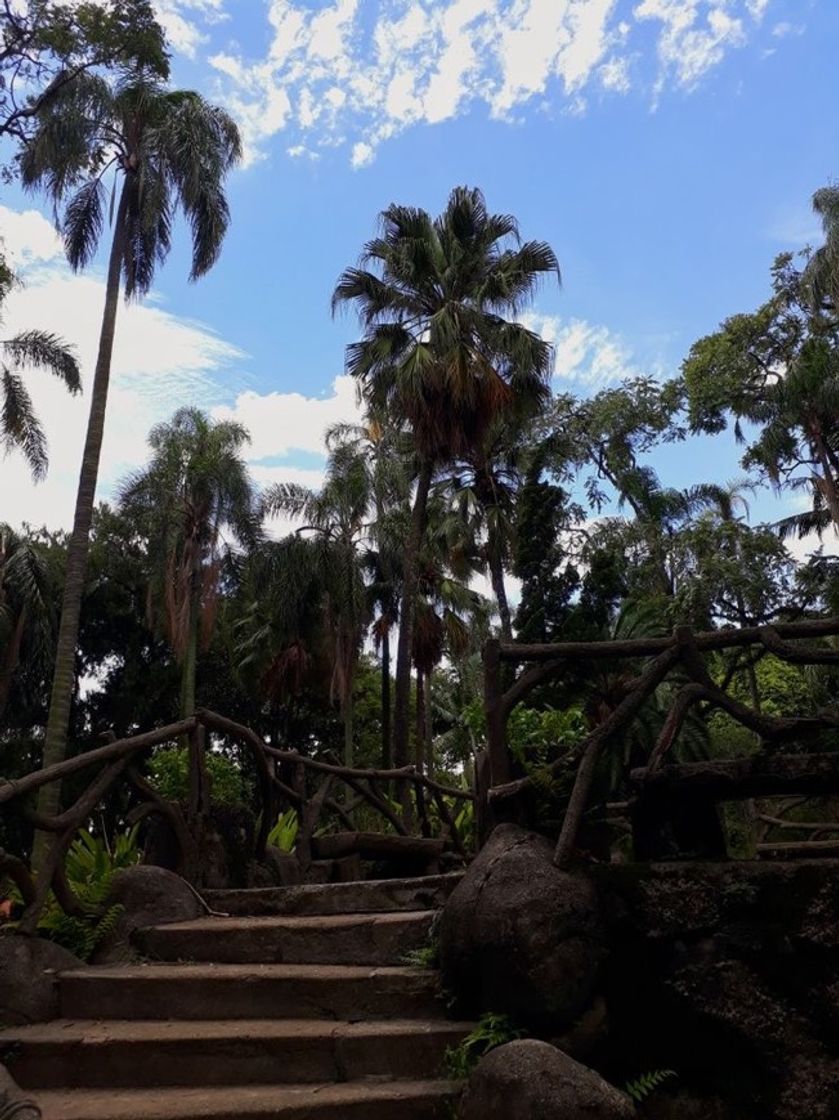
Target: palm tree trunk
{"x": 496, "y": 569}
{"x": 420, "y": 728}
{"x": 349, "y": 716}
{"x": 189, "y": 668}
{"x": 829, "y": 489}
{"x": 387, "y": 754}
{"x": 11, "y": 657}
{"x": 58, "y": 722}
{"x": 402, "y": 699}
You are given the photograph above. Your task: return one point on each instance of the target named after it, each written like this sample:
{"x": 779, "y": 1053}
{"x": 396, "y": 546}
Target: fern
{"x": 426, "y": 957}
{"x": 645, "y": 1085}
{"x": 492, "y": 1031}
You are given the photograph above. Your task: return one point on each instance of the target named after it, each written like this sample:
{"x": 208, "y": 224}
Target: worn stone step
{"x": 375, "y": 939}
{"x": 373, "y": 896}
{"x": 68, "y": 1054}
{"x": 250, "y": 991}
{"x": 409, "y": 1100}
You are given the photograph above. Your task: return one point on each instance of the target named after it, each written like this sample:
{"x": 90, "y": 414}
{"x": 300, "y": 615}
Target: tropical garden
{"x": 472, "y": 500}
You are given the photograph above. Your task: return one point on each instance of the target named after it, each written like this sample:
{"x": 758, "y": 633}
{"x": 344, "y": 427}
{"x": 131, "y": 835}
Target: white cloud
{"x": 696, "y": 35}
{"x": 586, "y": 353}
{"x": 281, "y": 423}
{"x": 359, "y": 74}
{"x": 784, "y": 29}
{"x": 179, "y": 20}
{"x": 27, "y": 237}
{"x": 160, "y": 361}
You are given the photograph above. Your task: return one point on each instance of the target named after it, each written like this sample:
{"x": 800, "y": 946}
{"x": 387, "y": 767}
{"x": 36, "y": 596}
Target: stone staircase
{"x": 297, "y": 1006}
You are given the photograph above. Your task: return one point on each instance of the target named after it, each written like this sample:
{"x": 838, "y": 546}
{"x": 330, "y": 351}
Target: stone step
{"x": 250, "y": 991}
{"x": 409, "y": 1100}
{"x": 376, "y": 896}
{"x": 374, "y": 939}
{"x": 67, "y": 1054}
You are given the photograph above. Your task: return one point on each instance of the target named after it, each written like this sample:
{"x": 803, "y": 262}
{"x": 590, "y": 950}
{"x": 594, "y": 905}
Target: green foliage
{"x": 427, "y": 957}
{"x": 645, "y": 1085}
{"x": 492, "y": 1031}
{"x": 284, "y": 833}
{"x": 537, "y": 737}
{"x": 169, "y": 774}
{"x": 90, "y": 865}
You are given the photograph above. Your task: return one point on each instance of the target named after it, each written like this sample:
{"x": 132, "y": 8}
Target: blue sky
{"x": 667, "y": 149}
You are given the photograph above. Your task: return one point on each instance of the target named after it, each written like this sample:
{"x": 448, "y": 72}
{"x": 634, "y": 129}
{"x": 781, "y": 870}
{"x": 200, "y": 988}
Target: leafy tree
{"x": 30, "y": 349}
{"x": 167, "y": 149}
{"x": 443, "y": 354}
{"x": 777, "y": 369}
{"x": 192, "y": 502}
{"x": 45, "y": 47}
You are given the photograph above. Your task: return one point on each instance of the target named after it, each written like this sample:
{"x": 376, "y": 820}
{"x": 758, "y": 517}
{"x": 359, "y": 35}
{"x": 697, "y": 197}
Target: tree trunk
{"x": 58, "y": 722}
{"x": 420, "y": 728}
{"x": 402, "y": 699}
{"x": 387, "y": 754}
{"x": 496, "y": 569}
{"x": 829, "y": 487}
{"x": 189, "y": 668}
{"x": 348, "y": 725}
{"x": 11, "y": 657}
{"x": 429, "y": 761}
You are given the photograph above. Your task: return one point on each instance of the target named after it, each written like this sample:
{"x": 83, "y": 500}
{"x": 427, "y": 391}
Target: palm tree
{"x": 32, "y": 349}
{"x": 338, "y": 517}
{"x": 166, "y": 149}
{"x": 26, "y": 591}
{"x": 482, "y": 494}
{"x": 382, "y": 453}
{"x": 821, "y": 276}
{"x": 193, "y": 502}
{"x": 442, "y": 353}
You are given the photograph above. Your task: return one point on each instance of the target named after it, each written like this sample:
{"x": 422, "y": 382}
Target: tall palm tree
{"x": 382, "y": 453}
{"x": 193, "y": 502}
{"x": 338, "y": 517}
{"x": 821, "y": 276}
{"x": 31, "y": 349}
{"x": 481, "y": 494}
{"x": 443, "y": 354}
{"x": 166, "y": 150}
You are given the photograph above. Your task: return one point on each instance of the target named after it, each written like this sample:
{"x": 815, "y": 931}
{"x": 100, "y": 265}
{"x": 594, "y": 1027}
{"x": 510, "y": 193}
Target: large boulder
{"x": 530, "y": 1080}
{"x": 149, "y": 896}
{"x": 519, "y": 937}
{"x": 28, "y": 969}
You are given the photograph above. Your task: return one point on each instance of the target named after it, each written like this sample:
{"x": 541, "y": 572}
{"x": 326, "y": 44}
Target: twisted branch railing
{"x": 305, "y": 784}
{"x": 684, "y": 651}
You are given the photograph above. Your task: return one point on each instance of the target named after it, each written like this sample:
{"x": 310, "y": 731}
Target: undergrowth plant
{"x": 492, "y": 1031}
{"x": 91, "y": 864}
{"x": 284, "y": 833}
{"x": 645, "y": 1085}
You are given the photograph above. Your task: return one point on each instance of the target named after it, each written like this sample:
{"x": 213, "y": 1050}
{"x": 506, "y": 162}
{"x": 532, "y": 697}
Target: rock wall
{"x": 726, "y": 973}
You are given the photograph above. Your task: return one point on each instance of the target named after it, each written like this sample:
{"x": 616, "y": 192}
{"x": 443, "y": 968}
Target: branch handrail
{"x": 119, "y": 756}
{"x": 683, "y": 649}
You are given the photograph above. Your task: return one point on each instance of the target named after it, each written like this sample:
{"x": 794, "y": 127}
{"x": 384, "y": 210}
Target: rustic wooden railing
{"x": 684, "y": 651}
{"x": 284, "y": 779}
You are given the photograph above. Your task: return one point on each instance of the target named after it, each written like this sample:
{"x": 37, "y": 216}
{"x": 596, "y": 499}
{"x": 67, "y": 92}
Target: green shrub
{"x": 169, "y": 774}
